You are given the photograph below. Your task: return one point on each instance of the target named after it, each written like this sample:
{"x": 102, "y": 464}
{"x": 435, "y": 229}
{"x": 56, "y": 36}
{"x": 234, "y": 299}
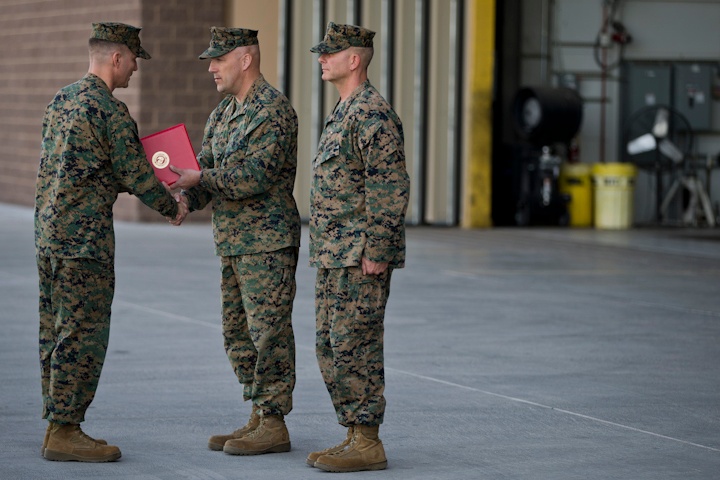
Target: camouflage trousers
{"x": 257, "y": 299}
{"x": 75, "y": 300}
{"x": 350, "y": 313}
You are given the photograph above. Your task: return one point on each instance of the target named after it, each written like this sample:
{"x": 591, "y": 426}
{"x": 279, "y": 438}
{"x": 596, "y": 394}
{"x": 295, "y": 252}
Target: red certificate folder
{"x": 170, "y": 147}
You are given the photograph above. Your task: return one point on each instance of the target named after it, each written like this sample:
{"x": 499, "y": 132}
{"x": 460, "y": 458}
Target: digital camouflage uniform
{"x": 358, "y": 201}
{"x": 90, "y": 152}
{"x": 248, "y": 162}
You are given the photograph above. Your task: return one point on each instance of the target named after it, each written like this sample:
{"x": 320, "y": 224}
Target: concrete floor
{"x": 510, "y": 354}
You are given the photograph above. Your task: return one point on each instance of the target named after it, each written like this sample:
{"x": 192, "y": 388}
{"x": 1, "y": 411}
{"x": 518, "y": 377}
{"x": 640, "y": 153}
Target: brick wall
{"x": 45, "y": 48}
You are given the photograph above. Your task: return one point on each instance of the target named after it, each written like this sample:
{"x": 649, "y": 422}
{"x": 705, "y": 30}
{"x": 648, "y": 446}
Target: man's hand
{"x": 188, "y": 177}
{"x": 373, "y": 268}
{"x": 182, "y": 212}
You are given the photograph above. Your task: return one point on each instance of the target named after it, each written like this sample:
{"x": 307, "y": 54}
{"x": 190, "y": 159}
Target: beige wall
{"x": 261, "y": 16}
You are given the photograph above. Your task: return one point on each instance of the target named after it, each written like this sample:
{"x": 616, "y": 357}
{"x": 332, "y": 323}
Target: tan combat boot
{"x": 47, "y": 435}
{"x": 68, "y": 443}
{"x": 217, "y": 442}
{"x": 271, "y": 436}
{"x": 315, "y": 455}
{"x": 364, "y": 452}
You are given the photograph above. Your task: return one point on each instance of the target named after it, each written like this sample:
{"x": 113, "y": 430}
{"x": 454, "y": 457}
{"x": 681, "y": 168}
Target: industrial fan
{"x": 547, "y": 118}
{"x": 660, "y": 138}
{"x": 657, "y": 138}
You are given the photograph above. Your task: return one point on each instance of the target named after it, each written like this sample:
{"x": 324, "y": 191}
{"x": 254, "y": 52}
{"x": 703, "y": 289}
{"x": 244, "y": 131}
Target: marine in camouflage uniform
{"x": 248, "y": 163}
{"x": 358, "y": 200}
{"x": 90, "y": 152}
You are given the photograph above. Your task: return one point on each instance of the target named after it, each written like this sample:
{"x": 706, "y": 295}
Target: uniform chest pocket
{"x": 230, "y": 151}
{"x": 327, "y": 153}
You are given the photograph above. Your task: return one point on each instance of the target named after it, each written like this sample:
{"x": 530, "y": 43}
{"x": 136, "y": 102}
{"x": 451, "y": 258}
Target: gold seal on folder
{"x": 160, "y": 159}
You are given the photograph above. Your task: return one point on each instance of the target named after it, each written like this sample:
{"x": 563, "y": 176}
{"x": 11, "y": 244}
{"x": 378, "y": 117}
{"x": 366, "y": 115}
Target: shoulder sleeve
{"x": 387, "y": 186}
{"x": 130, "y": 166}
{"x": 378, "y": 138}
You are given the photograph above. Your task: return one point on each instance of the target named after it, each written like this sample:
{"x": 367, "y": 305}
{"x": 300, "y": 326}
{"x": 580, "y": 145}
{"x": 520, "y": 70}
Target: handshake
{"x": 188, "y": 178}
{"x": 183, "y": 208}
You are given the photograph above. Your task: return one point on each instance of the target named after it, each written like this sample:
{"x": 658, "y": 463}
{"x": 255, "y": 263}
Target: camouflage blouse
{"x": 248, "y": 161}
{"x": 90, "y": 152}
{"x": 360, "y": 186}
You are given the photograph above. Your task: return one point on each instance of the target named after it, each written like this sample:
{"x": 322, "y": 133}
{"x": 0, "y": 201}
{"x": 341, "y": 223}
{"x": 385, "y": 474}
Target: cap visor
{"x": 213, "y": 52}
{"x": 323, "y": 47}
{"x": 144, "y": 54}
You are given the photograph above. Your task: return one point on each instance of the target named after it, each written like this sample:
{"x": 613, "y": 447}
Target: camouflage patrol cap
{"x": 225, "y": 40}
{"x": 340, "y": 37}
{"x": 120, "y": 33}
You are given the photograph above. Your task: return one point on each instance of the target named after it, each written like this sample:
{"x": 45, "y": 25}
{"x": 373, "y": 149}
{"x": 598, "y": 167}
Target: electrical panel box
{"x": 646, "y": 85}
{"x": 693, "y": 93}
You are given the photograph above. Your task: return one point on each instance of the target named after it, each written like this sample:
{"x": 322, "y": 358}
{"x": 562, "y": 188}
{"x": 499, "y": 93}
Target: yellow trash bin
{"x": 614, "y": 188}
{"x": 575, "y": 181}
